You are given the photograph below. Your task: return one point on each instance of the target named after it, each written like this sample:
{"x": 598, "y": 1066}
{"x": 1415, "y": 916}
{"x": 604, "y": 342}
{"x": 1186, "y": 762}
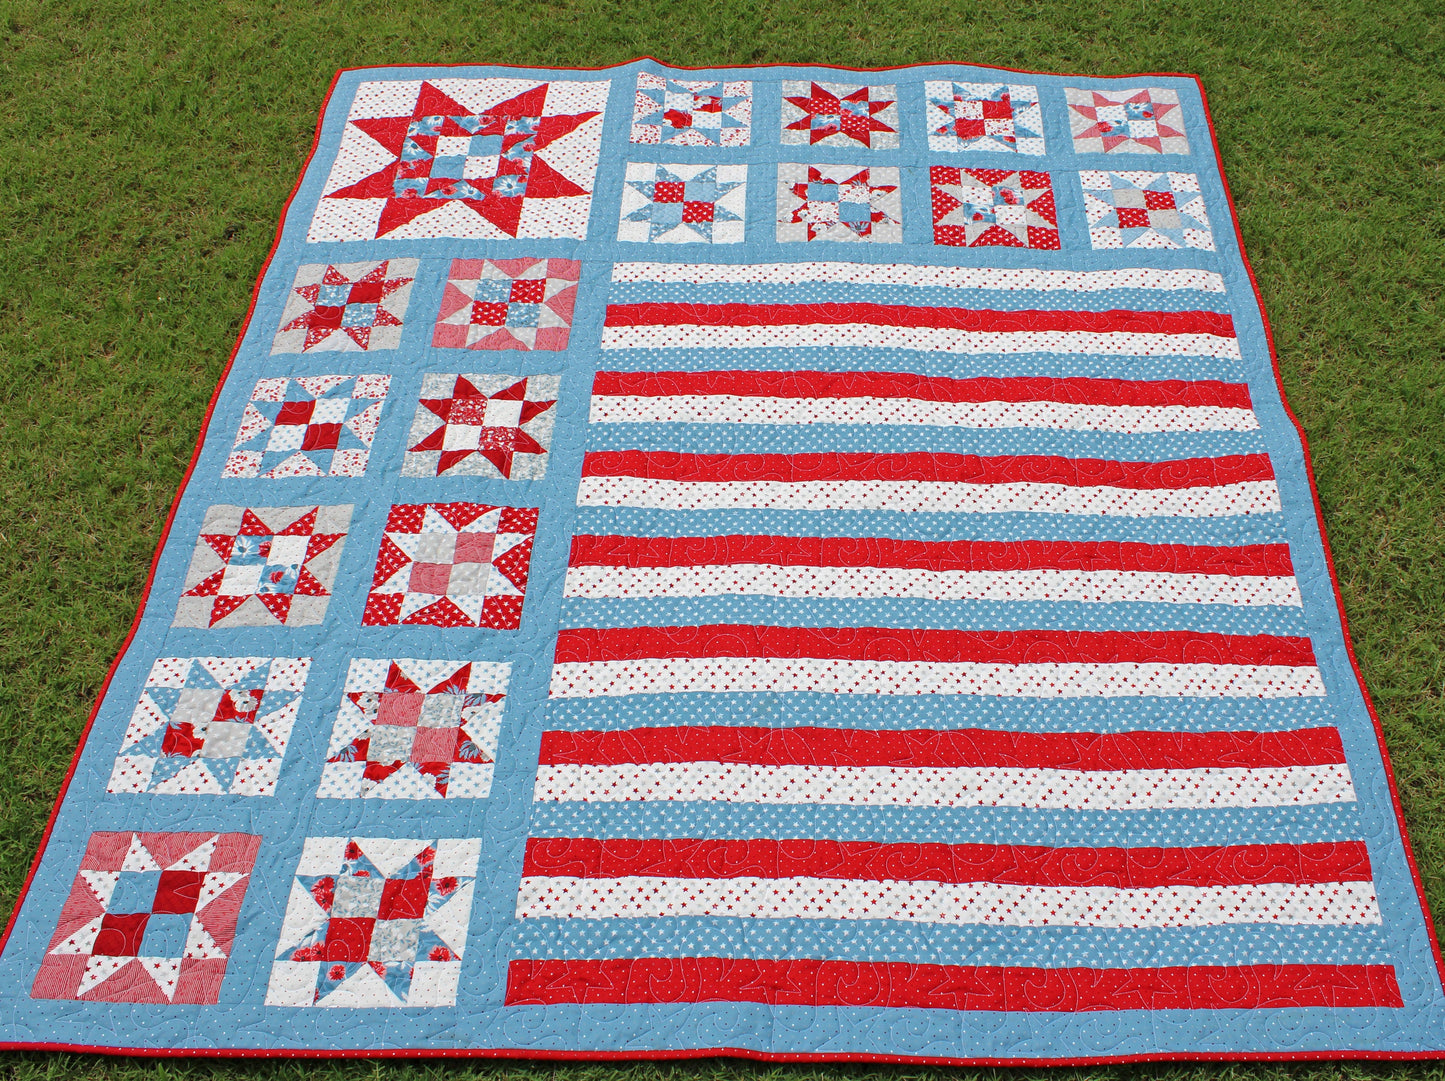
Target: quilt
{"x": 788, "y": 562}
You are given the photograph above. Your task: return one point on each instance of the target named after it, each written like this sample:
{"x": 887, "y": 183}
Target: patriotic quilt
{"x": 787, "y": 562}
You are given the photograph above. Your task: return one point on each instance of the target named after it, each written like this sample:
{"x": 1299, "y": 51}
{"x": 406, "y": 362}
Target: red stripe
{"x": 1018, "y": 865}
{"x": 978, "y": 748}
{"x": 1268, "y": 560}
{"x": 980, "y": 320}
{"x": 948, "y": 987}
{"x": 929, "y": 466}
{"x": 1074, "y": 391}
{"x": 908, "y": 644}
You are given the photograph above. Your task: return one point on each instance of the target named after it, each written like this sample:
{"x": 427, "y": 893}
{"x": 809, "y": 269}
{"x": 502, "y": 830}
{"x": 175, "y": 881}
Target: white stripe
{"x": 690, "y": 675}
{"x": 957, "y": 786}
{"x": 741, "y": 409}
{"x": 922, "y": 339}
{"x": 1212, "y": 501}
{"x": 770, "y": 580}
{"x": 956, "y": 277}
{"x": 1332, "y": 904}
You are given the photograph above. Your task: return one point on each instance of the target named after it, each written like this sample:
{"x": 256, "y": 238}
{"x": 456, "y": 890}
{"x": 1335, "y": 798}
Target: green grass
{"x": 147, "y": 149}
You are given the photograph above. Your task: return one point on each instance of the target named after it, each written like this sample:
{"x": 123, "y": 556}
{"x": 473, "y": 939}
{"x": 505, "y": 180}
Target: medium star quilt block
{"x": 375, "y": 922}
{"x": 416, "y": 729}
{"x": 345, "y": 307}
{"x": 839, "y": 114}
{"x": 150, "y": 918}
{"x": 1143, "y": 121}
{"x": 476, "y": 159}
{"x": 263, "y": 566}
{"x": 309, "y": 426}
{"x": 689, "y": 112}
{"x": 976, "y": 208}
{"x": 684, "y": 204}
{"x": 1002, "y": 118}
{"x": 839, "y": 202}
{"x": 1145, "y": 210}
{"x": 497, "y": 426}
{"x": 210, "y": 726}
{"x": 508, "y": 304}
{"x": 452, "y": 565}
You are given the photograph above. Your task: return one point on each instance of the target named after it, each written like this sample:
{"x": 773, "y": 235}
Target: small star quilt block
{"x": 1002, "y": 118}
{"x": 345, "y": 307}
{"x": 1145, "y": 210}
{"x": 684, "y": 204}
{"x": 476, "y": 159}
{"x": 375, "y": 922}
{"x": 838, "y": 202}
{"x": 416, "y": 729}
{"x": 508, "y": 304}
{"x": 150, "y": 918}
{"x": 263, "y": 566}
{"x": 310, "y": 426}
{"x": 689, "y": 112}
{"x": 497, "y": 426}
{"x": 839, "y": 114}
{"x": 976, "y": 208}
{"x": 452, "y": 565}
{"x": 211, "y": 726}
{"x": 1144, "y": 121}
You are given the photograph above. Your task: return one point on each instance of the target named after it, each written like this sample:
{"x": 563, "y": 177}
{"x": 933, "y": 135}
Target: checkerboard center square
{"x": 430, "y": 578}
{"x": 434, "y": 745}
{"x": 120, "y": 935}
{"x": 401, "y": 708}
{"x": 134, "y": 891}
{"x": 389, "y": 743}
{"x": 178, "y": 891}
{"x": 165, "y": 935}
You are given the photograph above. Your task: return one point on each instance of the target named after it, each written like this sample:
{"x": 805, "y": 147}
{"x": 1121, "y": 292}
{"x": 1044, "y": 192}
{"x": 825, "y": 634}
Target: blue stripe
{"x": 1241, "y": 529}
{"x": 957, "y": 366}
{"x": 1138, "y": 300}
{"x": 941, "y": 615}
{"x": 897, "y": 439}
{"x": 895, "y": 940}
{"x": 901, "y": 712}
{"x": 950, "y": 825}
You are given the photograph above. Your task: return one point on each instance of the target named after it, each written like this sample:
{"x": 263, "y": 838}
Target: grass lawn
{"x": 150, "y": 147}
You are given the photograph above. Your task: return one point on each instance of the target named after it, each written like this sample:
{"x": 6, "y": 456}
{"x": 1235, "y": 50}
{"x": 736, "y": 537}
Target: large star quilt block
{"x": 210, "y": 726}
{"x": 150, "y": 918}
{"x": 1148, "y": 120}
{"x": 476, "y": 159}
{"x": 684, "y": 204}
{"x": 452, "y": 565}
{"x": 1001, "y": 118}
{"x": 691, "y": 112}
{"x": 416, "y": 729}
{"x": 497, "y": 426}
{"x": 345, "y": 307}
{"x": 839, "y": 202}
{"x": 375, "y": 922}
{"x": 263, "y": 566}
{"x": 976, "y": 208}
{"x": 309, "y": 426}
{"x": 1145, "y": 210}
{"x": 508, "y": 304}
{"x": 839, "y": 114}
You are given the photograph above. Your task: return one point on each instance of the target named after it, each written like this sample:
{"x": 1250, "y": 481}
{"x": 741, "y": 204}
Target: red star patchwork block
{"x": 452, "y": 565}
{"x": 497, "y": 426}
{"x": 1147, "y": 120}
{"x": 468, "y": 158}
{"x": 508, "y": 304}
{"x": 993, "y": 207}
{"x": 838, "y": 202}
{"x": 347, "y": 307}
{"x": 263, "y": 566}
{"x": 150, "y": 919}
{"x": 691, "y": 112}
{"x": 839, "y": 114}
{"x": 416, "y": 729}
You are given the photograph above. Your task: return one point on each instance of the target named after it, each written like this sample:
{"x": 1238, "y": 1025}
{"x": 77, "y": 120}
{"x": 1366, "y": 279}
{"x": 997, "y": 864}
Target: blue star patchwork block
{"x": 996, "y": 117}
{"x": 310, "y": 426}
{"x": 689, "y": 112}
{"x": 1138, "y": 209}
{"x": 681, "y": 204}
